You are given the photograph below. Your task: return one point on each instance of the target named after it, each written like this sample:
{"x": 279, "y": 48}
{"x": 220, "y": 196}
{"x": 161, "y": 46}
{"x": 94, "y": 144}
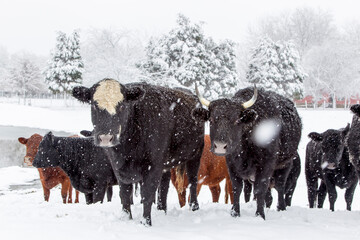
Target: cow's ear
{"x": 355, "y": 109}
{"x": 86, "y": 133}
{"x": 345, "y": 131}
{"x": 200, "y": 114}
{"x": 317, "y": 137}
{"x": 49, "y": 136}
{"x": 23, "y": 140}
{"x": 247, "y": 116}
{"x": 134, "y": 93}
{"x": 83, "y": 94}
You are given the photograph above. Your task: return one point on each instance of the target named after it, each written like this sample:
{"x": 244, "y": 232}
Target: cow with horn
{"x": 259, "y": 138}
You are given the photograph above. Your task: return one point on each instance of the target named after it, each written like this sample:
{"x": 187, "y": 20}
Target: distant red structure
{"x": 326, "y": 101}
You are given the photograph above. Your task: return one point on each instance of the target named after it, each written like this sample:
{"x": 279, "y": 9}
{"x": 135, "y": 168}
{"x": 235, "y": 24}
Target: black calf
{"x": 327, "y": 158}
{"x": 86, "y": 165}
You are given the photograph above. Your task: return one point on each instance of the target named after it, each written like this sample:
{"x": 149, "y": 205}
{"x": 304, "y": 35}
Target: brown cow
{"x": 49, "y": 177}
{"x": 212, "y": 171}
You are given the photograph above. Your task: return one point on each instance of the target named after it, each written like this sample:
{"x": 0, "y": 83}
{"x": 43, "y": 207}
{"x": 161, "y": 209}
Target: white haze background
{"x": 32, "y": 25}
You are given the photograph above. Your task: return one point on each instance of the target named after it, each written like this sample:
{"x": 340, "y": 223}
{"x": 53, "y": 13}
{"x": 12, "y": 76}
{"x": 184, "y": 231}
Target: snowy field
{"x": 24, "y": 214}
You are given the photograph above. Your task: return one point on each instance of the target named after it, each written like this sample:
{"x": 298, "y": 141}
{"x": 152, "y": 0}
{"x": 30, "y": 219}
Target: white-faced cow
{"x": 86, "y": 165}
{"x": 258, "y": 131}
{"x": 146, "y": 130}
{"x": 327, "y": 158}
{"x": 353, "y": 140}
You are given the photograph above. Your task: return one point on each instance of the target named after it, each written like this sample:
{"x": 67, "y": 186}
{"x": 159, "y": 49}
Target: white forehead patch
{"x": 108, "y": 95}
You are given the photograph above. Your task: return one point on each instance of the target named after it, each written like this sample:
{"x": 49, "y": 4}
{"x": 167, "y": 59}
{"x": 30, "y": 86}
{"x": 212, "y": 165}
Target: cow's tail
{"x": 180, "y": 177}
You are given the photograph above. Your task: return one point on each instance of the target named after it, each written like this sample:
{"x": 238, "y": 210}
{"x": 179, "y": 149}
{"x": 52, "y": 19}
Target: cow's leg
{"x": 46, "y": 193}
{"x": 261, "y": 184}
{"x": 64, "y": 190}
{"x": 226, "y": 192}
{"x": 163, "y": 190}
{"x": 99, "y": 193}
{"x": 126, "y": 191}
{"x": 89, "y": 198}
{"x": 349, "y": 194}
{"x": 215, "y": 192}
{"x": 321, "y": 194}
{"x": 70, "y": 193}
{"x": 76, "y": 196}
{"x": 182, "y": 197}
{"x": 331, "y": 189}
{"x": 148, "y": 189}
{"x": 268, "y": 198}
{"x": 109, "y": 193}
{"x": 312, "y": 186}
{"x": 280, "y": 177}
{"x": 237, "y": 185}
{"x": 192, "y": 168}
{"x": 289, "y": 193}
{"x": 247, "y": 190}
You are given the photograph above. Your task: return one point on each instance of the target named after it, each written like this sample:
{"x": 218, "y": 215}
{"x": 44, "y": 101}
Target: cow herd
{"x": 147, "y": 135}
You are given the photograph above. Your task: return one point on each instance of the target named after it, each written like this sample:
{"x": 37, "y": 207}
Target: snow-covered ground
{"x": 24, "y": 214}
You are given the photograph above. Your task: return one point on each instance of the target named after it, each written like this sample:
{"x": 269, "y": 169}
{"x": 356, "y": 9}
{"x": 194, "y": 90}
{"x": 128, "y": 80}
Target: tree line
{"x": 296, "y": 54}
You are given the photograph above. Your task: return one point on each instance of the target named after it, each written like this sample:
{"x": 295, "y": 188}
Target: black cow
{"x": 353, "y": 140}
{"x": 236, "y": 126}
{"x": 327, "y": 158}
{"x": 146, "y": 130}
{"x": 86, "y": 165}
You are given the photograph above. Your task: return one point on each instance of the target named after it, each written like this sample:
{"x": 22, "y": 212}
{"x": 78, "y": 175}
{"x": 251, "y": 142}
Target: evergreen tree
{"x": 187, "y": 56}
{"x": 66, "y": 66}
{"x": 275, "y": 66}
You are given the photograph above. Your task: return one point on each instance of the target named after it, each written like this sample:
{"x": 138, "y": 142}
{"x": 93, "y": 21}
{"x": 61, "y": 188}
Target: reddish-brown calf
{"x": 212, "y": 171}
{"x": 49, "y": 177}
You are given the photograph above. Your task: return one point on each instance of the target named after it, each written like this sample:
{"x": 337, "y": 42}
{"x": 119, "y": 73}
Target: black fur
{"x": 353, "y": 140}
{"x": 324, "y": 150}
{"x": 86, "y": 165}
{"x": 290, "y": 185}
{"x": 158, "y": 132}
{"x": 233, "y": 127}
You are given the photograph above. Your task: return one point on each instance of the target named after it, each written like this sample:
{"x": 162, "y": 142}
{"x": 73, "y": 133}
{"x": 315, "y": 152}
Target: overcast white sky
{"x": 31, "y": 25}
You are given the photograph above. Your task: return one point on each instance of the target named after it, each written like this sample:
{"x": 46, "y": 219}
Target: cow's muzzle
{"x": 106, "y": 140}
{"x": 28, "y": 161}
{"x": 219, "y": 148}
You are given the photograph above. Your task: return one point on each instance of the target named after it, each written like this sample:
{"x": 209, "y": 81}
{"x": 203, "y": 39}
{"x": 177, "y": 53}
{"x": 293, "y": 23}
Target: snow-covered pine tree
{"x": 275, "y": 66}
{"x": 225, "y": 78}
{"x": 65, "y": 68}
{"x": 187, "y": 56}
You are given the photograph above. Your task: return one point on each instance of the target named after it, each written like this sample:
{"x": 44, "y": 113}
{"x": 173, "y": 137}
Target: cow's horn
{"x": 204, "y": 101}
{"x": 252, "y": 100}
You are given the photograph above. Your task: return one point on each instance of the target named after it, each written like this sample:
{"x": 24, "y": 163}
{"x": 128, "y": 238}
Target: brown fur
{"x": 49, "y": 177}
{"x": 212, "y": 171}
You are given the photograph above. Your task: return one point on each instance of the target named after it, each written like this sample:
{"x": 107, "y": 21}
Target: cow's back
{"x": 164, "y": 117}
{"x": 270, "y": 105}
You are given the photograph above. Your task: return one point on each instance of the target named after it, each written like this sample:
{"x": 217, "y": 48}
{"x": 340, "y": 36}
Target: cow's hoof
{"x": 261, "y": 214}
{"x": 161, "y": 207}
{"x": 146, "y": 222}
{"x": 281, "y": 208}
{"x": 234, "y": 213}
{"x": 194, "y": 206}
